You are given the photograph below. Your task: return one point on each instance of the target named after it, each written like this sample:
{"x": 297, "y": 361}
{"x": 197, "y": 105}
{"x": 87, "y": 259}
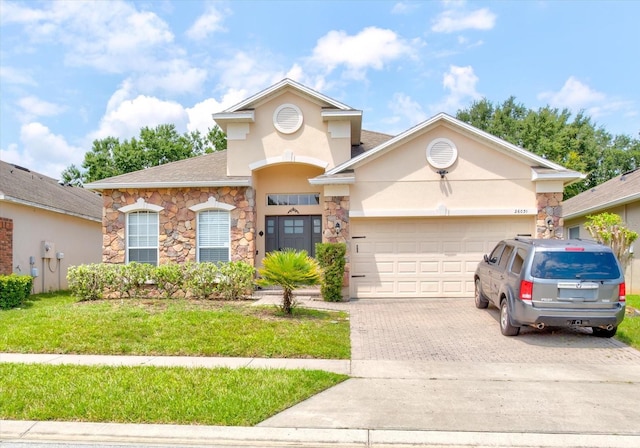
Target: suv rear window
{"x": 579, "y": 265}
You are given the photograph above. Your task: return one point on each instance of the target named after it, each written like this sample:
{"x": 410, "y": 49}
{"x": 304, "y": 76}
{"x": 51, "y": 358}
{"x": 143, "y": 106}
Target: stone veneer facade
{"x": 336, "y": 210}
{"x": 549, "y": 211}
{"x": 177, "y": 223}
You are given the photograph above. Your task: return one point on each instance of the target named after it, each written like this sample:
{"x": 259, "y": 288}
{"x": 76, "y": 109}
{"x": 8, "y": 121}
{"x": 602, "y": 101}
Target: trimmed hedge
{"x": 14, "y": 289}
{"x": 331, "y": 257}
{"x": 227, "y": 281}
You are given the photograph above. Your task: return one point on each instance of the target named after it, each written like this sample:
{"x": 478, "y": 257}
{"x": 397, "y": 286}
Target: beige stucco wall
{"x": 264, "y": 142}
{"x": 482, "y": 181}
{"x": 282, "y": 178}
{"x": 630, "y": 214}
{"x": 79, "y": 239}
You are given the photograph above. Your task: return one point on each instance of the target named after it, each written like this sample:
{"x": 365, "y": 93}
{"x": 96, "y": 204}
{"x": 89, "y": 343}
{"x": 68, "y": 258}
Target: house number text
{"x": 520, "y": 211}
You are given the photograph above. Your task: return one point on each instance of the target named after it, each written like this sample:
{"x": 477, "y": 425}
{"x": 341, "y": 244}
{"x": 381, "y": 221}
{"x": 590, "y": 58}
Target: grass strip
{"x": 629, "y": 329}
{"x": 58, "y": 324}
{"x": 175, "y": 395}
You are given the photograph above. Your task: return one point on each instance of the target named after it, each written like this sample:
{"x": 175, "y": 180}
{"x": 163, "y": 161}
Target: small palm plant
{"x": 289, "y": 269}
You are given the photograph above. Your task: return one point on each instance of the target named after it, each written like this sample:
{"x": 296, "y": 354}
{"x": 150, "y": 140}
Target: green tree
{"x": 609, "y": 229}
{"x": 574, "y": 142}
{"x": 289, "y": 269}
{"x": 110, "y": 157}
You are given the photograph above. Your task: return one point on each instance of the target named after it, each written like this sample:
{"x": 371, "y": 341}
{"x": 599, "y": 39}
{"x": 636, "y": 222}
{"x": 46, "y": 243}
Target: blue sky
{"x": 73, "y": 71}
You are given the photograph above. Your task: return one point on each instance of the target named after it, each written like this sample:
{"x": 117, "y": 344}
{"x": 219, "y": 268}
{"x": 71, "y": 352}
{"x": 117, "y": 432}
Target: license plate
{"x": 577, "y": 322}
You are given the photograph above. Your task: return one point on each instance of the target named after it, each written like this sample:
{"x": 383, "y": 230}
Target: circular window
{"x": 287, "y": 118}
{"x": 441, "y": 153}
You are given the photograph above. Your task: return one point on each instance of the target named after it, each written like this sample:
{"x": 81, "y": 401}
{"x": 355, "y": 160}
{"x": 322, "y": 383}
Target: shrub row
{"x": 14, "y": 289}
{"x": 228, "y": 281}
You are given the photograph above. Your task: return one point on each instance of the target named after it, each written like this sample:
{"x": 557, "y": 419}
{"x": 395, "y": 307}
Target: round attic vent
{"x": 441, "y": 153}
{"x": 287, "y": 118}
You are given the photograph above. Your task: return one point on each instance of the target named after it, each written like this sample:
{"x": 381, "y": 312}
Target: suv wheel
{"x": 505, "y": 326}
{"x": 481, "y": 302}
{"x": 603, "y": 332}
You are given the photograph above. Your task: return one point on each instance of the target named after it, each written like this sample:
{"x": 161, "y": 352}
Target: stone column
{"x": 549, "y": 222}
{"x": 336, "y": 211}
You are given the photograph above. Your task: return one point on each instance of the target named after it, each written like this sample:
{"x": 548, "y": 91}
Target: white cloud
{"x": 176, "y": 77}
{"x": 42, "y": 151}
{"x": 412, "y": 112}
{"x": 247, "y": 72}
{"x": 15, "y": 76}
{"x": 457, "y": 19}
{"x": 208, "y": 23}
{"x": 200, "y": 114}
{"x": 404, "y": 7}
{"x": 461, "y": 84}
{"x": 124, "y": 120}
{"x": 112, "y": 37}
{"x": 574, "y": 95}
{"x": 34, "y": 107}
{"x": 370, "y": 48}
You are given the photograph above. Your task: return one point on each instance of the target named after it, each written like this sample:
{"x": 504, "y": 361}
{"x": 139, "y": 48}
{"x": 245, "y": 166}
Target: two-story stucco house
{"x": 417, "y": 210}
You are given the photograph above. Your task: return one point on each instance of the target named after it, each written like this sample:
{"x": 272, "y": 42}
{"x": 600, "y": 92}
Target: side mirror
{"x": 486, "y": 258}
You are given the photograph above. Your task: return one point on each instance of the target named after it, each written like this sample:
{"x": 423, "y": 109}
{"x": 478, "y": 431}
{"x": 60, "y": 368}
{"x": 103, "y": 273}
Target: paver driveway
{"x": 453, "y": 330}
{"x": 443, "y": 365}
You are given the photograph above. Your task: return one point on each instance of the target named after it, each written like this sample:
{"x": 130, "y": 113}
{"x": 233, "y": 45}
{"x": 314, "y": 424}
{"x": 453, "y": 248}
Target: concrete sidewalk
{"x": 176, "y": 435}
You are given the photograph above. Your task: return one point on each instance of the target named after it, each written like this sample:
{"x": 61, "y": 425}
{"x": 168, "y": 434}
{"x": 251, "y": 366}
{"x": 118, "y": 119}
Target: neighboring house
{"x": 417, "y": 211}
{"x": 620, "y": 195}
{"x": 46, "y": 227}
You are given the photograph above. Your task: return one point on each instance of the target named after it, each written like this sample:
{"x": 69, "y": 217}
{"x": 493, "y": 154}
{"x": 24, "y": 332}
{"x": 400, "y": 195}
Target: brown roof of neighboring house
{"x": 23, "y": 186}
{"x": 617, "y": 191}
{"x": 205, "y": 170}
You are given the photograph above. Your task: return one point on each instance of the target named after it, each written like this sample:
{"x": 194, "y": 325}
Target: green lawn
{"x": 58, "y": 324}
{"x": 230, "y": 397}
{"x": 629, "y": 329}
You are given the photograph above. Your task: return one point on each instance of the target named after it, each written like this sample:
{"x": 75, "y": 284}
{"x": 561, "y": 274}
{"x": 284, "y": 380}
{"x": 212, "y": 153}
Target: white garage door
{"x": 424, "y": 257}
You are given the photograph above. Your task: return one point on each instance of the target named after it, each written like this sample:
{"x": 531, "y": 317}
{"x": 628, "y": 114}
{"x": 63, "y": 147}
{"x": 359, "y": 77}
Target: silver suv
{"x": 558, "y": 283}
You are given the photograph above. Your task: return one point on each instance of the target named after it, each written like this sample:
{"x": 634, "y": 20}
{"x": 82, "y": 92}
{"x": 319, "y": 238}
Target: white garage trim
{"x": 424, "y": 257}
{"x": 443, "y": 211}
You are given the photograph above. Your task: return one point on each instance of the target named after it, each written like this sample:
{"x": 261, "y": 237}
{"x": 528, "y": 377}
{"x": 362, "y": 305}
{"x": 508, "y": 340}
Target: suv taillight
{"x": 622, "y": 292}
{"x": 526, "y": 290}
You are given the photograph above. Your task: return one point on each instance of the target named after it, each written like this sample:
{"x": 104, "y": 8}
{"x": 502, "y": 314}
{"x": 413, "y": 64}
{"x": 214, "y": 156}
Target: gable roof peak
{"x": 283, "y": 84}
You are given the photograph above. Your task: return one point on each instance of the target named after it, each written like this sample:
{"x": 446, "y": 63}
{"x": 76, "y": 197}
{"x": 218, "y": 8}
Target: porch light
{"x": 338, "y": 228}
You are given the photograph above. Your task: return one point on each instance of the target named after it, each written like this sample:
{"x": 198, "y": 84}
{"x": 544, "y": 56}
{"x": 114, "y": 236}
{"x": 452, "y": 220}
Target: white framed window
{"x": 213, "y": 235}
{"x": 574, "y": 232}
{"x": 142, "y": 237}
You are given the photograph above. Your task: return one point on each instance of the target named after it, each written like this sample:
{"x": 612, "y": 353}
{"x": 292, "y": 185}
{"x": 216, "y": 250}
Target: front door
{"x": 293, "y": 232}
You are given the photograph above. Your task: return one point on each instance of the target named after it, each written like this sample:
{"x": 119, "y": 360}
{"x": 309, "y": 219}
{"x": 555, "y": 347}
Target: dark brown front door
{"x": 300, "y": 232}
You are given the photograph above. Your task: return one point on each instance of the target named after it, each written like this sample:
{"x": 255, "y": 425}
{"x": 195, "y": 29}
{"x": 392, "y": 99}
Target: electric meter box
{"x": 48, "y": 249}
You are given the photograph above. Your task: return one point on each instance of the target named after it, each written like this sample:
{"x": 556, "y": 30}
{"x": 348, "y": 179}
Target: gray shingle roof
{"x": 617, "y": 191}
{"x": 208, "y": 169}
{"x": 27, "y": 187}
{"x": 369, "y": 139}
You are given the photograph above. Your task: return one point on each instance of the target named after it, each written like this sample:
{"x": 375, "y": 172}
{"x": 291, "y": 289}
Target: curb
{"x": 181, "y": 435}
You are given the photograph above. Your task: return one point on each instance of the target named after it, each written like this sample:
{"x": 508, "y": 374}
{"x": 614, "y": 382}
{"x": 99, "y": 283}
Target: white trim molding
{"x": 212, "y": 204}
{"x": 288, "y": 157}
{"x": 442, "y": 211}
{"x": 140, "y": 206}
